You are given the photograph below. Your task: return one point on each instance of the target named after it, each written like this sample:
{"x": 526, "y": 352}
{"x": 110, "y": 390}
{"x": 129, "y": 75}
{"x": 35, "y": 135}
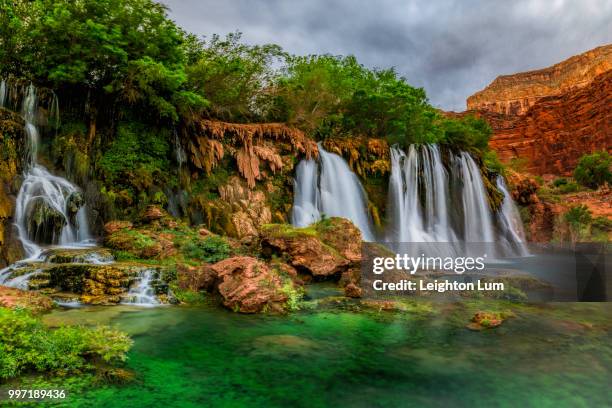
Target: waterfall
{"x": 48, "y": 209}
{"x": 306, "y": 194}
{"x": 477, "y": 220}
{"x": 3, "y": 93}
{"x": 142, "y": 294}
{"x": 335, "y": 191}
{"x": 510, "y": 221}
{"x": 421, "y": 208}
{"x": 420, "y": 174}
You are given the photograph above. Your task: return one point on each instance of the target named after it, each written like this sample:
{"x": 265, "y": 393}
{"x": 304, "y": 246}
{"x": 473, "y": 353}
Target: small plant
{"x": 570, "y": 187}
{"x": 593, "y": 170}
{"x": 210, "y": 249}
{"x": 578, "y": 219}
{"x": 561, "y": 181}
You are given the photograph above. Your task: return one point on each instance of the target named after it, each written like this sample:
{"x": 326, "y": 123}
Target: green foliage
{"x": 570, "y": 187}
{"x": 136, "y": 157}
{"x": 578, "y": 219}
{"x": 470, "y": 133}
{"x": 558, "y": 182}
{"x": 210, "y": 249}
{"x": 27, "y": 345}
{"x": 231, "y": 75}
{"x": 593, "y": 170}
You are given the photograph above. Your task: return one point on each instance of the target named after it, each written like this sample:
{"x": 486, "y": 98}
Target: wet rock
{"x": 73, "y": 204}
{"x": 249, "y": 285}
{"x": 324, "y": 249}
{"x": 488, "y": 320}
{"x": 196, "y": 278}
{"x": 352, "y": 290}
{"x": 45, "y": 223}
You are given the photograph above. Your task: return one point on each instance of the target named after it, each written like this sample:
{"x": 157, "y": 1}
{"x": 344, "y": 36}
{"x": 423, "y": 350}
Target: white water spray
{"x": 142, "y": 294}
{"x": 335, "y": 192}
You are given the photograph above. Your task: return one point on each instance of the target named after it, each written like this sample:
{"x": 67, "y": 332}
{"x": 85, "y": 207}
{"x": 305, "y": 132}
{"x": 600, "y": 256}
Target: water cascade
{"x": 3, "y": 93}
{"x": 477, "y": 220}
{"x": 49, "y": 209}
{"x": 426, "y": 204}
{"x": 334, "y": 191}
{"x": 142, "y": 294}
{"x": 510, "y": 222}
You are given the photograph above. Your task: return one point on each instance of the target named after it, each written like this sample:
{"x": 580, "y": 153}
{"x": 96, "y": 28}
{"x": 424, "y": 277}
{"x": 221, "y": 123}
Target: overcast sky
{"x": 452, "y": 48}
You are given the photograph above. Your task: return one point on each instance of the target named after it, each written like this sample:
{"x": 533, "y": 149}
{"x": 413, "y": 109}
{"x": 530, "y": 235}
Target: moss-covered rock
{"x": 327, "y": 248}
{"x": 12, "y": 151}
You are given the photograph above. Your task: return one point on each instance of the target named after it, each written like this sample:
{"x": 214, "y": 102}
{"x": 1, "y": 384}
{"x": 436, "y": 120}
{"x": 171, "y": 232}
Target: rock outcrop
{"x": 515, "y": 94}
{"x": 11, "y": 153}
{"x": 330, "y": 247}
{"x": 557, "y": 130}
{"x": 249, "y": 285}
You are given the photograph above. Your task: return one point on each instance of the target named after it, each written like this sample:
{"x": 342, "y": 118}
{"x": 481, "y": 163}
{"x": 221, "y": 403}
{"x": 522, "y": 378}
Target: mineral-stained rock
{"x": 327, "y": 248}
{"x": 196, "y": 278}
{"x": 249, "y": 208}
{"x": 352, "y": 290}
{"x": 488, "y": 320}
{"x": 249, "y": 285}
{"x": 12, "y": 148}
{"x": 114, "y": 226}
{"x": 16, "y": 298}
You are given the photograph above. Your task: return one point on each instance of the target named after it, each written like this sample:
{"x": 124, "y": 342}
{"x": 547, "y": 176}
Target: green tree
{"x": 232, "y": 75}
{"x": 593, "y": 170}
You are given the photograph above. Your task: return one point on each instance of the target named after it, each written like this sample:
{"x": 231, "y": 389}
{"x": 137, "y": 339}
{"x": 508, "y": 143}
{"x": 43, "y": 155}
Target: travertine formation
{"x": 515, "y": 94}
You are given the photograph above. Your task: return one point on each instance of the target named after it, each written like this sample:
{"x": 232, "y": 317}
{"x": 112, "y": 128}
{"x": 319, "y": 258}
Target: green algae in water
{"x": 196, "y": 357}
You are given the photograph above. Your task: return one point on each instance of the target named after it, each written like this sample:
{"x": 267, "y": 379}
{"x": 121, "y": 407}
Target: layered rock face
{"x": 557, "y": 130}
{"x": 515, "y": 94}
{"x": 551, "y": 117}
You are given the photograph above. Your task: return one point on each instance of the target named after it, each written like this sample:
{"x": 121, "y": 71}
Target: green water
{"x": 554, "y": 356}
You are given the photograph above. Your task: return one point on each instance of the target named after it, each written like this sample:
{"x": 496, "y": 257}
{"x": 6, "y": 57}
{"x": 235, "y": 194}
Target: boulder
{"x": 249, "y": 285}
{"x": 45, "y": 223}
{"x": 327, "y": 248}
{"x": 196, "y": 278}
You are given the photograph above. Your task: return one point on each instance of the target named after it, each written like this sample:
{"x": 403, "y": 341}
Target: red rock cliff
{"x": 557, "y": 130}
{"x": 515, "y": 94}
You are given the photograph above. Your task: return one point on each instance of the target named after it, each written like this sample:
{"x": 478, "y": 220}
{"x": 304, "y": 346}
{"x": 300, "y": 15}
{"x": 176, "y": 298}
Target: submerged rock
{"x": 488, "y": 320}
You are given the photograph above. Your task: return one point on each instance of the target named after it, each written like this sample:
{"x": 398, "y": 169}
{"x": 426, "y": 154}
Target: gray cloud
{"x": 452, "y": 48}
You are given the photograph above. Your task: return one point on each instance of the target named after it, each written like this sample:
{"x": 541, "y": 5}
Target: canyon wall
{"x": 515, "y": 94}
{"x": 549, "y": 118}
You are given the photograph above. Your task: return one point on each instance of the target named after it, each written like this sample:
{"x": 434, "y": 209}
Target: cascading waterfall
{"x": 420, "y": 204}
{"x": 3, "y": 93}
{"x": 510, "y": 221}
{"x": 143, "y": 294}
{"x": 49, "y": 209}
{"x": 335, "y": 191}
{"x": 477, "y": 220}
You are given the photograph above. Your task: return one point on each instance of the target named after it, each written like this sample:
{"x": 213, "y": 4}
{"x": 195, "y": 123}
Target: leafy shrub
{"x": 27, "y": 345}
{"x": 559, "y": 182}
{"x": 578, "y": 219}
{"x": 570, "y": 187}
{"x": 210, "y": 249}
{"x": 593, "y": 170}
